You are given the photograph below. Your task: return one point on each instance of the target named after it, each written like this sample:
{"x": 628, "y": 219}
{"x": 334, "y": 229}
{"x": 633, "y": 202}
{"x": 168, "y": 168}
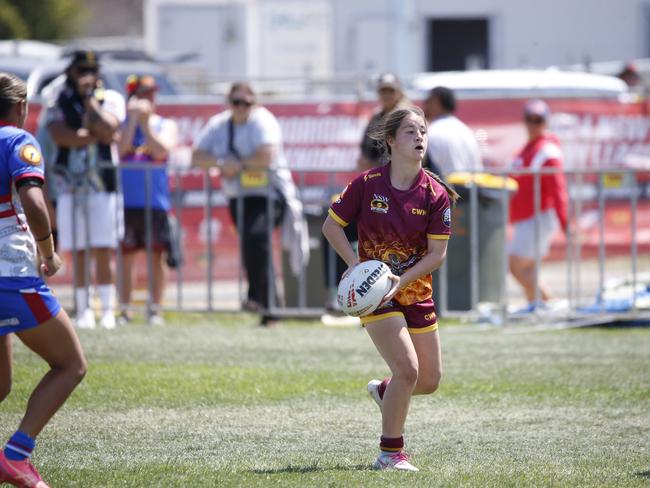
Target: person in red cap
{"x": 534, "y": 231}
{"x": 145, "y": 138}
{"x": 630, "y": 75}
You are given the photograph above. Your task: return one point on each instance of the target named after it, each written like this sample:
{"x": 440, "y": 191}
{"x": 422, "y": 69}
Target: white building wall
{"x": 523, "y": 33}
{"x": 276, "y": 37}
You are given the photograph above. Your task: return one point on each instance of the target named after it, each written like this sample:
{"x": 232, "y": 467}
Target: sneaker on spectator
{"x": 124, "y": 318}
{"x": 85, "y": 319}
{"x": 394, "y": 460}
{"x": 20, "y": 473}
{"x": 252, "y": 306}
{"x": 531, "y": 307}
{"x": 156, "y": 320}
{"x": 108, "y": 320}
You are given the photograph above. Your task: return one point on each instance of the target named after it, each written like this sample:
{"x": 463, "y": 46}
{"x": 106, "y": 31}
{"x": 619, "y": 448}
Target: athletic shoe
{"x": 124, "y": 318}
{"x": 394, "y": 460}
{"x": 530, "y": 308}
{"x": 373, "y": 391}
{"x": 156, "y": 320}
{"x": 108, "y": 320}
{"x": 269, "y": 321}
{"x": 252, "y": 306}
{"x": 20, "y": 473}
{"x": 86, "y": 319}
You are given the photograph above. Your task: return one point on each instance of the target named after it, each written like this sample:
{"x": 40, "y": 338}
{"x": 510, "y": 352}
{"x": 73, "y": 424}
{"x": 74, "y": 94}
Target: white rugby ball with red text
{"x": 363, "y": 289}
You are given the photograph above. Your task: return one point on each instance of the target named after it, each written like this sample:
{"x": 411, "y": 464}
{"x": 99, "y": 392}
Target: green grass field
{"x": 215, "y": 401}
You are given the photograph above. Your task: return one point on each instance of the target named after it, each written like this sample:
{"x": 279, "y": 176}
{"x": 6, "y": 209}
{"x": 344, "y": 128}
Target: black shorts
{"x": 135, "y": 233}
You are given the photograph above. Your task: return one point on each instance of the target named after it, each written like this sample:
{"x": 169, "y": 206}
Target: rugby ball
{"x": 361, "y": 291}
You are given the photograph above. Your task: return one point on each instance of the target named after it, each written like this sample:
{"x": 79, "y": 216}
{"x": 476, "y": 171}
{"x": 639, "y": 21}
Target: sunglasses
{"x": 240, "y": 102}
{"x": 534, "y": 120}
{"x": 386, "y": 90}
{"x": 85, "y": 70}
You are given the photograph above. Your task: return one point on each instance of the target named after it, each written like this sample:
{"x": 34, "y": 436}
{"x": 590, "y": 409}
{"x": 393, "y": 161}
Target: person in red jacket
{"x": 542, "y": 151}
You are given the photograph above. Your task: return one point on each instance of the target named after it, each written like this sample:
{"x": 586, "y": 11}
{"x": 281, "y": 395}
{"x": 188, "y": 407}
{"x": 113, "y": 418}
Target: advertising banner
{"x": 321, "y": 141}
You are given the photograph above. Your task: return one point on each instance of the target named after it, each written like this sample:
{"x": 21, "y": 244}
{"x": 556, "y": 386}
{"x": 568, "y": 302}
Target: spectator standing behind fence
{"x": 404, "y": 219}
{"x": 27, "y": 306}
{"x": 391, "y": 97}
{"x": 83, "y": 123}
{"x": 245, "y": 143}
{"x": 452, "y": 145}
{"x": 146, "y": 138}
{"x": 542, "y": 151}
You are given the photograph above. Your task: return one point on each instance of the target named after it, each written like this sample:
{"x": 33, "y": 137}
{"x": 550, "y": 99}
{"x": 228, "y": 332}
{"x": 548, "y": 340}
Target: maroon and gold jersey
{"x": 394, "y": 225}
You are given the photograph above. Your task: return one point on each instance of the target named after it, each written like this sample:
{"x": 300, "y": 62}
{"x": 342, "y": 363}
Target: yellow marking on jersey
{"x": 438, "y": 236}
{"x": 31, "y": 155}
{"x": 338, "y": 219}
{"x": 418, "y": 211}
{"x": 370, "y": 176}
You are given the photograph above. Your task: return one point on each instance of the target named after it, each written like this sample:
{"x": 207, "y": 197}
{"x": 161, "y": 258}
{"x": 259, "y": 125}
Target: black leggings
{"x": 256, "y": 246}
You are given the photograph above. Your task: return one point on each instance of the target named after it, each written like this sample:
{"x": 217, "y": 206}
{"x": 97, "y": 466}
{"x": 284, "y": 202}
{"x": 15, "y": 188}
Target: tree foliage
{"x": 44, "y": 20}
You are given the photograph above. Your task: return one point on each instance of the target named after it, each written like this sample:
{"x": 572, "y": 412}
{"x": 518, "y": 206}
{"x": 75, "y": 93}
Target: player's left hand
{"x": 51, "y": 265}
{"x": 393, "y": 290}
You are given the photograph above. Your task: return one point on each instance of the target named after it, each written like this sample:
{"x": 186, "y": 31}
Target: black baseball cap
{"x": 84, "y": 58}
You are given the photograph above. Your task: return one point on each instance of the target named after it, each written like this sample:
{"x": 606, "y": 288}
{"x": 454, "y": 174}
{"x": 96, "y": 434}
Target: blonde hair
{"x": 12, "y": 90}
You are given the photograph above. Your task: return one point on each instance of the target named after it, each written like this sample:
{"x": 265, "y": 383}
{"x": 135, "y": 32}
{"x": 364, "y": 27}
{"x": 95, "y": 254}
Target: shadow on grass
{"x": 313, "y": 468}
{"x": 643, "y": 474}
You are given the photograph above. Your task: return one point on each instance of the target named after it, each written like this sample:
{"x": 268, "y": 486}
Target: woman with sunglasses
{"x": 28, "y": 308}
{"x": 245, "y": 143}
{"x": 542, "y": 151}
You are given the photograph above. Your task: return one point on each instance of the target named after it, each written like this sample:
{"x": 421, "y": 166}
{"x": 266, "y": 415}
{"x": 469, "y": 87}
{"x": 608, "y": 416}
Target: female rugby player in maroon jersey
{"x": 403, "y": 217}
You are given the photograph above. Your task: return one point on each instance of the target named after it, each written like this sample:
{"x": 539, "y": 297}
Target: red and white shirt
{"x": 543, "y": 152}
{"x": 20, "y": 157}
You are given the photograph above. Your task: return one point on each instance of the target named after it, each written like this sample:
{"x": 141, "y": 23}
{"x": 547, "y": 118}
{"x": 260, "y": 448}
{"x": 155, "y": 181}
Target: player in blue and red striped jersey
{"x": 27, "y": 306}
{"x": 403, "y": 216}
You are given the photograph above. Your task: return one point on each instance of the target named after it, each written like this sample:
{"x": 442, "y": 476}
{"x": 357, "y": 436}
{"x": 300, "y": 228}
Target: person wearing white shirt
{"x": 452, "y": 145}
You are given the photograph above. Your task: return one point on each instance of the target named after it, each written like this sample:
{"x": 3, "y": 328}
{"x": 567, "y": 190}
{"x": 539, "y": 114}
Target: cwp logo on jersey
{"x": 31, "y": 155}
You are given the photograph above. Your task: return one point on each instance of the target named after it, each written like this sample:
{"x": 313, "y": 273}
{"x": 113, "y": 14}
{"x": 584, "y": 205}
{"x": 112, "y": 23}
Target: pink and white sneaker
{"x": 373, "y": 391}
{"x": 394, "y": 460}
{"x": 20, "y": 473}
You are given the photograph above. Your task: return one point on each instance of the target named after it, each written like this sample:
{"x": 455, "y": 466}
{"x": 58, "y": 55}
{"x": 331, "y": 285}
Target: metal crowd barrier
{"x": 315, "y": 275}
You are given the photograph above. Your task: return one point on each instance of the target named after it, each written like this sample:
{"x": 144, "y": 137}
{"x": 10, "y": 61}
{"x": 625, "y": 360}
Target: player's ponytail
{"x": 453, "y": 195}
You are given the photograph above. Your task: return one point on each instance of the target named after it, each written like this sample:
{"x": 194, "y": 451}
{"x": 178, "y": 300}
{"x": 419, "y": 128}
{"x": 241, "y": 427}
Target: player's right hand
{"x": 393, "y": 289}
{"x": 51, "y": 265}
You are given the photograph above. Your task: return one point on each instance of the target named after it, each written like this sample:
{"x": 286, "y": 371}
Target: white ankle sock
{"x": 106, "y": 297}
{"x": 81, "y": 297}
